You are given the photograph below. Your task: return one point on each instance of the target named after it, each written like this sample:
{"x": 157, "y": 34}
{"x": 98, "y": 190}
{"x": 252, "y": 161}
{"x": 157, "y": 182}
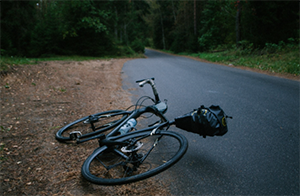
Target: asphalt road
{"x": 260, "y": 153}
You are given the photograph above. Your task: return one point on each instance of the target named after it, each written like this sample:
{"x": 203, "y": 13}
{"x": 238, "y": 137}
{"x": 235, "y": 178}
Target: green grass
{"x": 7, "y": 62}
{"x": 284, "y": 61}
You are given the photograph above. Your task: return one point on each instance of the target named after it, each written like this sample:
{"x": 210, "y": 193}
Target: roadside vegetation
{"x": 275, "y": 58}
{"x": 6, "y": 62}
{"x": 257, "y": 34}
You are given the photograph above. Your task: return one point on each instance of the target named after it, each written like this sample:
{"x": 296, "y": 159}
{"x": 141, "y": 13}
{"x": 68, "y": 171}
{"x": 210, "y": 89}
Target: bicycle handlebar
{"x": 152, "y": 84}
{"x": 144, "y": 81}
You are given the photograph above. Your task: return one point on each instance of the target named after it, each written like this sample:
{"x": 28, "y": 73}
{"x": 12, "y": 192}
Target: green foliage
{"x": 216, "y": 25}
{"x": 138, "y": 46}
{"x": 45, "y": 35}
{"x": 17, "y": 21}
{"x": 98, "y": 28}
{"x": 6, "y": 62}
{"x": 92, "y": 28}
{"x": 4, "y": 129}
{"x": 149, "y": 42}
{"x": 173, "y": 24}
{"x": 283, "y": 59}
{"x": 125, "y": 50}
{"x": 269, "y": 21}
{"x": 89, "y": 22}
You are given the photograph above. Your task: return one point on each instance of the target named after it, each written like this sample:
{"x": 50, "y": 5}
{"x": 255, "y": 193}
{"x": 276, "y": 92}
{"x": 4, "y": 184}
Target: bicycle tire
{"x": 169, "y": 150}
{"x": 107, "y": 120}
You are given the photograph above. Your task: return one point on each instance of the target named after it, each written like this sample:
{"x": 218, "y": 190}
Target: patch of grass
{"x": 7, "y": 62}
{"x": 4, "y": 129}
{"x": 279, "y": 62}
{"x": 285, "y": 60}
{"x": 6, "y": 85}
{"x": 169, "y": 51}
{"x": 283, "y": 57}
{"x": 62, "y": 90}
{"x": 55, "y": 127}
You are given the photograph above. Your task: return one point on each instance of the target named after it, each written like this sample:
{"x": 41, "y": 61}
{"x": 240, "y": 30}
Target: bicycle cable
{"x": 141, "y": 104}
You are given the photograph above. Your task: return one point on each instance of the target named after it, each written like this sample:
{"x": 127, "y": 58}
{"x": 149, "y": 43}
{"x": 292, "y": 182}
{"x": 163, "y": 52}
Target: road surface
{"x": 260, "y": 153}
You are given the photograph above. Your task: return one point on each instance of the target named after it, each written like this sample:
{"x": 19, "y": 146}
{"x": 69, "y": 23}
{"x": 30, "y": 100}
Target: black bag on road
{"x": 204, "y": 121}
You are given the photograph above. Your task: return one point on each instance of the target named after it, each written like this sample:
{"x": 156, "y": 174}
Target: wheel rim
{"x": 84, "y": 129}
{"x": 108, "y": 169}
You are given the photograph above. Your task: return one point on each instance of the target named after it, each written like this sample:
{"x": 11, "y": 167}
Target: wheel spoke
{"x": 91, "y": 125}
{"x": 144, "y": 157}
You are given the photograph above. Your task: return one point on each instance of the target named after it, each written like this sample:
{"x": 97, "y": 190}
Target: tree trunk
{"x": 116, "y": 24}
{"x": 238, "y": 25}
{"x": 162, "y": 29}
{"x": 125, "y": 33}
{"x": 174, "y": 15}
{"x": 195, "y": 19}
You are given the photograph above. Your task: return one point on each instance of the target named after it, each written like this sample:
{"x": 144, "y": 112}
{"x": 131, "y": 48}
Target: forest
{"x": 102, "y": 28}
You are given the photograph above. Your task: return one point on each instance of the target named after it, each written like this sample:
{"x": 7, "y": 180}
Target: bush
{"x": 124, "y": 50}
{"x": 138, "y": 46}
{"x": 149, "y": 42}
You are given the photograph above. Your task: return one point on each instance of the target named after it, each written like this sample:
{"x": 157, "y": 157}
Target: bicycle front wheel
{"x": 91, "y": 125}
{"x": 145, "y": 156}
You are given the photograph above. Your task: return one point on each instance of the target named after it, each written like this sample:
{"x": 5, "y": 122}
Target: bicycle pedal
{"x": 74, "y": 135}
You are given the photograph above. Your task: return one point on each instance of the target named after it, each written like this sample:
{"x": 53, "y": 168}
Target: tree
{"x": 237, "y": 23}
{"x": 156, "y": 23}
{"x": 17, "y": 20}
{"x": 270, "y": 21}
{"x": 91, "y": 27}
{"x": 217, "y": 24}
{"x": 174, "y": 24}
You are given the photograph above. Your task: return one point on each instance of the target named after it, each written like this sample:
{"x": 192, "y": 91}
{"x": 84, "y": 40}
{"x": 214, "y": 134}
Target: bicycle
{"x": 95, "y": 124}
{"x": 133, "y": 155}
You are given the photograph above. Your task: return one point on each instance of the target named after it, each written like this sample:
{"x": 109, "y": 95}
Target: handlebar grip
{"x": 138, "y": 81}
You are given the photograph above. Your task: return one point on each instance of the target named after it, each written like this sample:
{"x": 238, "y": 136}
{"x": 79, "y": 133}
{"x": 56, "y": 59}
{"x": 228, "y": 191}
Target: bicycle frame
{"x": 132, "y": 114}
{"x": 158, "y": 109}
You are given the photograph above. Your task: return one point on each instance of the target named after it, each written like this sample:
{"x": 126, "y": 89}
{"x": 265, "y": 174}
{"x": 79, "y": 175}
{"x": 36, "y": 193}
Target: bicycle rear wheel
{"x": 91, "y": 125}
{"x": 145, "y": 156}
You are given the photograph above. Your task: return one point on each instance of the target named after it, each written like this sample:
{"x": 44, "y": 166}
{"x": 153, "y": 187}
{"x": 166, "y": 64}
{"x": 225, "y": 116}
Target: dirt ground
{"x": 36, "y": 100}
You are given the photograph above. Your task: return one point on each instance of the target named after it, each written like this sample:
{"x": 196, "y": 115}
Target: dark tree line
{"x": 204, "y": 25}
{"x": 52, "y": 27}
{"x": 98, "y": 28}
